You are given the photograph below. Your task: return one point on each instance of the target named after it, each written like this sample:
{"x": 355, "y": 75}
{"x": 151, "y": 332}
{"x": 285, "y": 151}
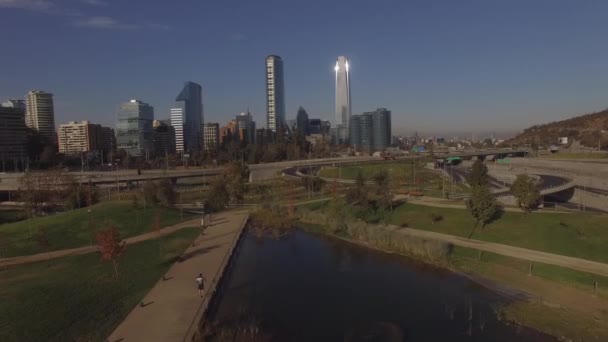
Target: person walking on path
{"x": 200, "y": 284}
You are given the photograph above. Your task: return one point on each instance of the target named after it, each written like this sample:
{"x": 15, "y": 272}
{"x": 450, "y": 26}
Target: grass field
{"x": 402, "y": 172}
{"x": 71, "y": 229}
{"x": 574, "y": 234}
{"x": 8, "y": 216}
{"x": 581, "y": 318}
{"x": 77, "y": 298}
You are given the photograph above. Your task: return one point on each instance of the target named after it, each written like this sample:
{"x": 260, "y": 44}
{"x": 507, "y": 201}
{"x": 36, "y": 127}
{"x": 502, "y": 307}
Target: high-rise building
{"x": 134, "y": 128}
{"x": 12, "y": 131}
{"x": 382, "y": 129}
{"x": 371, "y": 131}
{"x": 187, "y": 118}
{"x": 314, "y": 126}
{"x": 275, "y": 93}
{"x": 245, "y": 122}
{"x": 343, "y": 102}
{"x": 264, "y": 136}
{"x": 325, "y": 127}
{"x": 164, "y": 138}
{"x": 212, "y": 135}
{"x": 40, "y": 114}
{"x": 302, "y": 122}
{"x": 76, "y": 137}
{"x": 19, "y": 104}
{"x": 107, "y": 139}
{"x": 229, "y": 133}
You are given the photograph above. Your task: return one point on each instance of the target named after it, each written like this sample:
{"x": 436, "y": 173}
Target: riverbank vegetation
{"x": 77, "y": 298}
{"x": 564, "y": 297}
{"x": 76, "y": 228}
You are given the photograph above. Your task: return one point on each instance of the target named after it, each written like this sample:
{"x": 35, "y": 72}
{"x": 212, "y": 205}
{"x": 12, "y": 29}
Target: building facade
{"x": 314, "y": 126}
{"x": 164, "y": 138}
{"x": 13, "y": 131}
{"x": 382, "y": 129}
{"x": 211, "y": 136}
{"x": 40, "y": 114}
{"x": 134, "y": 131}
{"x": 302, "y": 122}
{"x": 343, "y": 101}
{"x": 245, "y": 122}
{"x": 77, "y": 137}
{"x": 187, "y": 118}
{"x": 107, "y": 139}
{"x": 371, "y": 131}
{"x": 275, "y": 93}
{"x": 229, "y": 133}
{"x": 325, "y": 127}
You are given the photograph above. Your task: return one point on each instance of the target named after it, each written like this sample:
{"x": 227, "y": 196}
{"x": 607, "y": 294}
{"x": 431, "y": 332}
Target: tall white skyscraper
{"x": 40, "y": 114}
{"x": 275, "y": 96}
{"x": 343, "y": 108}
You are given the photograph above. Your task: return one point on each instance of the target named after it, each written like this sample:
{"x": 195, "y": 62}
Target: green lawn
{"x": 403, "y": 172}
{"x": 77, "y": 298}
{"x": 572, "y": 234}
{"x": 71, "y": 229}
{"x": 467, "y": 259}
{"x": 577, "y": 235}
{"x": 7, "y": 216}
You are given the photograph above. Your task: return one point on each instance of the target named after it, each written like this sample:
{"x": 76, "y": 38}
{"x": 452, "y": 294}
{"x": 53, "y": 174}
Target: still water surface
{"x": 313, "y": 288}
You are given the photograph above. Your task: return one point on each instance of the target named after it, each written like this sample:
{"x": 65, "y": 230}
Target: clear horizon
{"x": 442, "y": 69}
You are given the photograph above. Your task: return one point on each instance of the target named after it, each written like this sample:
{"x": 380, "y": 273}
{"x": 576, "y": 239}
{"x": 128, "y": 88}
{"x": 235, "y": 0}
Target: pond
{"x": 307, "y": 287}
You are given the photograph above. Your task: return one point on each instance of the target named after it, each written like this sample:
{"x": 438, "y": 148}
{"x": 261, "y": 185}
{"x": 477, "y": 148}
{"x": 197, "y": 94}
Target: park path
{"x": 25, "y": 259}
{"x": 441, "y": 203}
{"x": 514, "y": 252}
{"x": 172, "y": 310}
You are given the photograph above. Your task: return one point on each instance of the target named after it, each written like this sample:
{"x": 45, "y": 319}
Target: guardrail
{"x": 194, "y": 330}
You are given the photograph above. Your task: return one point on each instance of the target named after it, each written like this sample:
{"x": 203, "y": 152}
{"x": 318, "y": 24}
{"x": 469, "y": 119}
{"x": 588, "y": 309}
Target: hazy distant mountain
{"x": 589, "y": 129}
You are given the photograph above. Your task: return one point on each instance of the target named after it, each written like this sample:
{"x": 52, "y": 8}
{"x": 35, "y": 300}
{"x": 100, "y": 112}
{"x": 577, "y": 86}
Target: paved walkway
{"x": 173, "y": 308}
{"x": 25, "y": 259}
{"x": 515, "y": 252}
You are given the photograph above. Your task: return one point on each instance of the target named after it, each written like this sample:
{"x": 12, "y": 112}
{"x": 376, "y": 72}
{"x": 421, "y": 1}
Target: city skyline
{"x": 470, "y": 73}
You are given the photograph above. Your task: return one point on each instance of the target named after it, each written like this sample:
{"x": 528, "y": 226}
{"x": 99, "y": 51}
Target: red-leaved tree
{"x": 110, "y": 245}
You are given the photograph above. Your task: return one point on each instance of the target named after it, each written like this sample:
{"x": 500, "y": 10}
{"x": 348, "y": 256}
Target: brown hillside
{"x": 589, "y": 129}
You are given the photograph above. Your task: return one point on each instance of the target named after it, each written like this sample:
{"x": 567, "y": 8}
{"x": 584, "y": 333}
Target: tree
{"x": 482, "y": 206}
{"x": 235, "y": 177}
{"x": 383, "y": 190}
{"x": 42, "y": 237}
{"x": 46, "y": 189}
{"x": 111, "y": 246}
{"x": 149, "y": 193}
{"x": 359, "y": 195}
{"x": 165, "y": 194}
{"x": 527, "y": 195}
{"x": 218, "y": 196}
{"x": 478, "y": 175}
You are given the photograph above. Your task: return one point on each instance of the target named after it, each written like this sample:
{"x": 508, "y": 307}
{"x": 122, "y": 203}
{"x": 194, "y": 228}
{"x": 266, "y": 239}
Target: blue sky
{"x": 442, "y": 67}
